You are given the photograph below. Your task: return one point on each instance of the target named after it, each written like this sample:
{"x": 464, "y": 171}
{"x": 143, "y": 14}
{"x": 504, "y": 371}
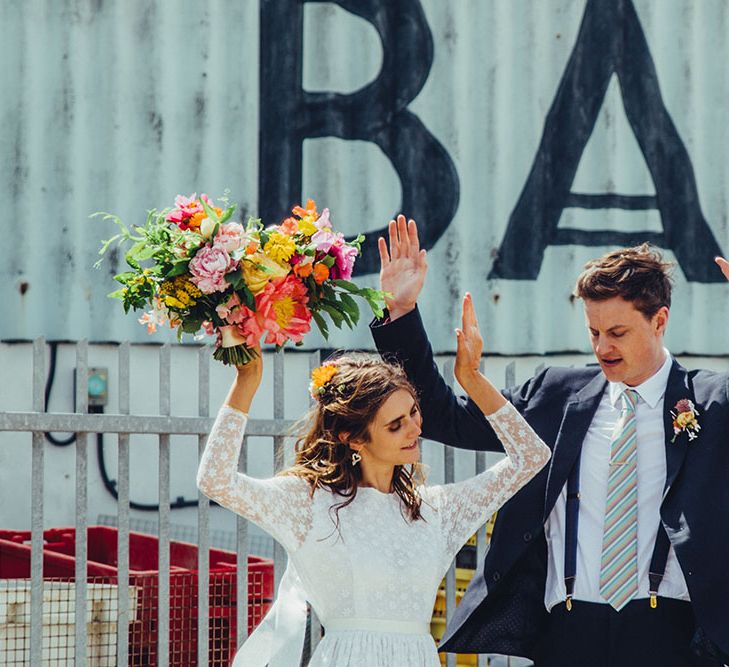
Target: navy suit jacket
{"x": 503, "y": 609}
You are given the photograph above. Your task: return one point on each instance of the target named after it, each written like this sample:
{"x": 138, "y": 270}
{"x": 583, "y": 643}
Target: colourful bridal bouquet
{"x": 198, "y": 270}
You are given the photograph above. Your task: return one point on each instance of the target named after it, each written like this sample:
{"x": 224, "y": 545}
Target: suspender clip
{"x": 654, "y": 600}
{"x": 568, "y": 603}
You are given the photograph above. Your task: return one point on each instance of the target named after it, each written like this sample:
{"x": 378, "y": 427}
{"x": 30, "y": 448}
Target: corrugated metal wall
{"x": 526, "y": 137}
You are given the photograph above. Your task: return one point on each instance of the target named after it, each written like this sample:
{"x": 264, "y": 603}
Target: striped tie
{"x": 619, "y": 566}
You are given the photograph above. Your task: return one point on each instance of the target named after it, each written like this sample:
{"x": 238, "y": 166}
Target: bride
{"x": 367, "y": 543}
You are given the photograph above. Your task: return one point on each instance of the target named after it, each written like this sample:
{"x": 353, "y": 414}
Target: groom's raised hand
{"x": 402, "y": 267}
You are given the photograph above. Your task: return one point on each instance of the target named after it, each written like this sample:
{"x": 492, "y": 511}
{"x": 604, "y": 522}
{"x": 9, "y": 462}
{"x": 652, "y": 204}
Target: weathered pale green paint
{"x": 119, "y": 105}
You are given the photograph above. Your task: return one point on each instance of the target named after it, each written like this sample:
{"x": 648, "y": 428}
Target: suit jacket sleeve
{"x": 448, "y": 418}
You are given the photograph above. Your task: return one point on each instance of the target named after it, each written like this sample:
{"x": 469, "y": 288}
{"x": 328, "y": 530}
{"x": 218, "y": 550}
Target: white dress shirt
{"x": 594, "y": 470}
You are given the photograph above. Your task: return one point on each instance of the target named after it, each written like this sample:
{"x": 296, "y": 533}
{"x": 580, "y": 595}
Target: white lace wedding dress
{"x": 374, "y": 581}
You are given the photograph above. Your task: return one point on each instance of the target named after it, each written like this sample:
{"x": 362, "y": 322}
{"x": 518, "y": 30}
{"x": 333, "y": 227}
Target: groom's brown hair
{"x": 638, "y": 274}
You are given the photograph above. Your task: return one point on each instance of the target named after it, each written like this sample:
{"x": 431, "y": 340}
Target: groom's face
{"x": 627, "y": 344}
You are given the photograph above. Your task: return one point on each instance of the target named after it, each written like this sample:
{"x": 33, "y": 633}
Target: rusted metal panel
{"x": 525, "y": 136}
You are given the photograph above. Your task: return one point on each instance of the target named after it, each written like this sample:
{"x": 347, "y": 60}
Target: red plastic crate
{"x": 59, "y": 562}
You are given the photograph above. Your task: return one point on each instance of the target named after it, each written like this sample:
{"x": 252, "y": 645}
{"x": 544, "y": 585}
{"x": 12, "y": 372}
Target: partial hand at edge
{"x": 723, "y": 265}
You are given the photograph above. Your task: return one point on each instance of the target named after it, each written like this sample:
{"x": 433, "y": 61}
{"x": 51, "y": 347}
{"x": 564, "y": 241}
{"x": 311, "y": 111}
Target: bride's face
{"x": 395, "y": 432}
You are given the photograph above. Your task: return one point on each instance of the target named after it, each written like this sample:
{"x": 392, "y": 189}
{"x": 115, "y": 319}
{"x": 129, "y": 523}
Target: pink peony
{"x": 344, "y": 261}
{"x": 324, "y": 239}
{"x": 281, "y": 313}
{"x": 231, "y": 236}
{"x": 208, "y": 268}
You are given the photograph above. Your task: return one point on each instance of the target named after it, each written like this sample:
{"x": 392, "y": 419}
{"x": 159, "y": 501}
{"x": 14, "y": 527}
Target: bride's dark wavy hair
{"x": 347, "y": 405}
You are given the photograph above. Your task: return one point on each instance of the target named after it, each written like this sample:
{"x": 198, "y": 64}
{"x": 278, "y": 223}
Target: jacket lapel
{"x": 577, "y": 419}
{"x": 678, "y": 387}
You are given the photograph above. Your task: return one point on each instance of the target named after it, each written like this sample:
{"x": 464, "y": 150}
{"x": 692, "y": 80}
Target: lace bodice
{"x": 378, "y": 565}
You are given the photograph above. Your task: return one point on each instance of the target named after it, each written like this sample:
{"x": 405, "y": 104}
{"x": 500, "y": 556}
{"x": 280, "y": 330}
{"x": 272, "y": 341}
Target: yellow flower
{"x": 181, "y": 290}
{"x": 172, "y": 302}
{"x": 684, "y": 419}
{"x": 259, "y": 269}
{"x": 280, "y": 247}
{"x": 183, "y": 297}
{"x": 307, "y": 226}
{"x": 309, "y": 215}
{"x": 283, "y": 310}
{"x": 184, "y": 283}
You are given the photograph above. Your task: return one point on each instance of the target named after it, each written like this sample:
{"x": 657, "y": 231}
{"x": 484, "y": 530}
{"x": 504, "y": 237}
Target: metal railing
{"x": 164, "y": 425}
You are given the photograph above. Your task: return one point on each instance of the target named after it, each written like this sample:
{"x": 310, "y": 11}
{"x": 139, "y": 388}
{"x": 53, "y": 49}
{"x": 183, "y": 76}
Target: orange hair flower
{"x": 320, "y": 377}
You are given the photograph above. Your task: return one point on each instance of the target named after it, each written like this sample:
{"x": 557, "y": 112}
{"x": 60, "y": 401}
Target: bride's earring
{"x": 356, "y": 458}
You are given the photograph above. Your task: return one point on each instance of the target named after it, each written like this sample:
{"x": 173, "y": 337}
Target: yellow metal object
{"x": 654, "y": 601}
{"x": 568, "y": 603}
{"x": 438, "y": 621}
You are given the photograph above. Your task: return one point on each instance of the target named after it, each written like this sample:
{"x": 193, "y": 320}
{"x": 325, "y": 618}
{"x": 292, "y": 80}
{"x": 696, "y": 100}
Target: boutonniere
{"x": 685, "y": 420}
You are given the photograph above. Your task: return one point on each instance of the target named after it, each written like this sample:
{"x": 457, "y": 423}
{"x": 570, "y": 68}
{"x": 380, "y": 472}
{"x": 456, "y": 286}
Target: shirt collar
{"x": 651, "y": 391}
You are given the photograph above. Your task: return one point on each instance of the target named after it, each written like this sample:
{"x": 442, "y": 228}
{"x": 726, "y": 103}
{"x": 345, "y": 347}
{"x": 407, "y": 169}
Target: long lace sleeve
{"x": 465, "y": 506}
{"x": 279, "y": 505}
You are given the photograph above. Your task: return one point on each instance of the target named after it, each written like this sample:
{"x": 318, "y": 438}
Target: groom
{"x": 618, "y": 552}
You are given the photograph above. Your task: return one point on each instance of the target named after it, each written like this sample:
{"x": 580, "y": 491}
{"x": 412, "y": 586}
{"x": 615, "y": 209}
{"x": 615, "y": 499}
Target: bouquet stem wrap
{"x": 233, "y": 349}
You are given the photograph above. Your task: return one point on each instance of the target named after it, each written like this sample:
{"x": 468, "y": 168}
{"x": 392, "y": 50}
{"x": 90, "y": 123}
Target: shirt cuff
{"x": 385, "y": 320}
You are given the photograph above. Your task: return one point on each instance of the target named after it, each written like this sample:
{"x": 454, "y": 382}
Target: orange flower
{"x": 321, "y": 273}
{"x": 309, "y": 210}
{"x": 303, "y": 270}
{"x": 289, "y": 226}
{"x": 196, "y": 219}
{"x": 251, "y": 248}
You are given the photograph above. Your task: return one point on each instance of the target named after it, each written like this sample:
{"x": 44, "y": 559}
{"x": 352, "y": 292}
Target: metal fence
{"x": 115, "y": 607}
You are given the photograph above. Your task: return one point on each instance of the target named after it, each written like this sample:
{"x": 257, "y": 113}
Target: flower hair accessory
{"x": 685, "y": 420}
{"x": 320, "y": 378}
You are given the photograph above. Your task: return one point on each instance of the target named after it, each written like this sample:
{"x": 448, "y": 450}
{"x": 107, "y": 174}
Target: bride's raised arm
{"x": 279, "y": 505}
{"x": 465, "y": 506}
